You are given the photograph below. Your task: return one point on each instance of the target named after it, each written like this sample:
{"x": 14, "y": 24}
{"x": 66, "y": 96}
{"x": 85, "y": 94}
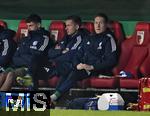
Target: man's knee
{"x": 4, "y": 74}
{"x": 19, "y": 72}
{"x": 10, "y": 77}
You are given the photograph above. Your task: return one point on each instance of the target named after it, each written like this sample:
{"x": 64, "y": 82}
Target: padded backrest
{"x": 137, "y": 57}
{"x": 3, "y": 24}
{"x": 126, "y": 49}
{"x": 89, "y": 26}
{"x": 116, "y": 27}
{"x": 22, "y": 30}
{"x": 57, "y": 30}
{"x": 145, "y": 67}
{"x": 134, "y": 50}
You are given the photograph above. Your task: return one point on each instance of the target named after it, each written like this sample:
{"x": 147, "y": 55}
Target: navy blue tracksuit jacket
{"x": 100, "y": 51}
{"x": 35, "y": 44}
{"x": 71, "y": 42}
{"x": 7, "y": 46}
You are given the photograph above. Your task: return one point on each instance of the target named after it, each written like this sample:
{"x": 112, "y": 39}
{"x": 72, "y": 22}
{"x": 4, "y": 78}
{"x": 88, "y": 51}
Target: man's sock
{"x": 55, "y": 96}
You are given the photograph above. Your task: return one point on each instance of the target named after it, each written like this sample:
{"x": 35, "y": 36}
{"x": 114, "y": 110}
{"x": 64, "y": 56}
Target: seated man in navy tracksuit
{"x": 97, "y": 55}
{"x": 7, "y": 50}
{"x": 62, "y": 54}
{"x": 35, "y": 44}
{"x": 7, "y": 46}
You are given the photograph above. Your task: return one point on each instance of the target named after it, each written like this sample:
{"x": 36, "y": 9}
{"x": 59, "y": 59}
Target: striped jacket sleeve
{"x": 9, "y": 47}
{"x": 40, "y": 46}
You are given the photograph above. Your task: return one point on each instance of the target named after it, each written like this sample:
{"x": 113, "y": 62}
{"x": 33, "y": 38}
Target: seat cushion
{"x": 84, "y": 83}
{"x": 53, "y": 81}
{"x": 111, "y": 82}
{"x": 129, "y": 83}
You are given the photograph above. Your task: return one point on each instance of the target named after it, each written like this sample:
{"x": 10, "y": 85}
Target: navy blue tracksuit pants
{"x": 38, "y": 71}
{"x": 67, "y": 81}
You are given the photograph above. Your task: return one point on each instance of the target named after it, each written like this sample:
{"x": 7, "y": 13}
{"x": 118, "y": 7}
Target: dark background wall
{"x": 59, "y": 9}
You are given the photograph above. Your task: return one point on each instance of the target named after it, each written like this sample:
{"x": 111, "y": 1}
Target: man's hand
{"x": 65, "y": 51}
{"x": 85, "y": 66}
{"x": 80, "y": 66}
{"x": 88, "y": 67}
{"x": 57, "y": 47}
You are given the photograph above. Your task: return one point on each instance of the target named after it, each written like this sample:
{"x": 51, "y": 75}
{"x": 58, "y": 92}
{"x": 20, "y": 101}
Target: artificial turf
{"x": 64, "y": 112}
{"x": 58, "y": 112}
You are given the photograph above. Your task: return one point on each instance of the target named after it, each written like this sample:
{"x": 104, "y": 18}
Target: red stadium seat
{"x": 84, "y": 83}
{"x": 126, "y": 49}
{"x": 22, "y": 30}
{"x": 3, "y": 24}
{"x": 134, "y": 53}
{"x": 89, "y": 26}
{"x": 57, "y": 29}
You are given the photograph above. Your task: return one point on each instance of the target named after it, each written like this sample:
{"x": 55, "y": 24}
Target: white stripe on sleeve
{"x": 77, "y": 43}
{"x": 6, "y": 46}
{"x": 46, "y": 40}
{"x": 113, "y": 43}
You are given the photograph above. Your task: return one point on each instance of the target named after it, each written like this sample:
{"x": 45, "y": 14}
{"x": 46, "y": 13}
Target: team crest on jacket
{"x": 62, "y": 42}
{"x": 100, "y": 45}
{"x": 35, "y": 43}
{"x": 88, "y": 43}
{"x": 79, "y": 47}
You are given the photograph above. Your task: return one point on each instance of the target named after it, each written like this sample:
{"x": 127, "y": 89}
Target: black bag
{"x": 83, "y": 103}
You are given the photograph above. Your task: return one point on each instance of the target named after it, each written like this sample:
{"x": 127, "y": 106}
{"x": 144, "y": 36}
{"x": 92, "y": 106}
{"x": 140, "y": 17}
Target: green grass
{"x": 59, "y": 112}
{"x": 96, "y": 113}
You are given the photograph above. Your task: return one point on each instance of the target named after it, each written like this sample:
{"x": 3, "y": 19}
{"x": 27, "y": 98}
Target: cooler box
{"x": 110, "y": 101}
